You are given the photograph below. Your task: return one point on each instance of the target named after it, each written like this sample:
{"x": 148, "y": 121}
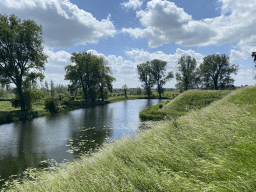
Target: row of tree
{"x": 151, "y": 73}
{"x": 22, "y": 62}
{"x": 213, "y": 73}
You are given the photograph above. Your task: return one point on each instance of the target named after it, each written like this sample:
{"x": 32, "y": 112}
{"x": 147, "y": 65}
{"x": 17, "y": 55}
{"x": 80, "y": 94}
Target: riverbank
{"x": 193, "y": 99}
{"x": 211, "y": 149}
{"x": 9, "y": 114}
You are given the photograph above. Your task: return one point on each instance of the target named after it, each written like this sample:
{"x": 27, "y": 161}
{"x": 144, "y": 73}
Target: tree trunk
{"x": 159, "y": 92}
{"x": 22, "y": 102}
{"x": 125, "y": 93}
{"x": 101, "y": 93}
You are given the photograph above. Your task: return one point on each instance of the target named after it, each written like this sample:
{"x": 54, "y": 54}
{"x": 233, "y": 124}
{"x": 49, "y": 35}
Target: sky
{"x": 130, "y": 32}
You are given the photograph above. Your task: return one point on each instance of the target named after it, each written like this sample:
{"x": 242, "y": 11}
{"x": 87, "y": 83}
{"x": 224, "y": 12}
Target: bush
{"x": 65, "y": 101}
{"x": 60, "y": 97}
{"x": 160, "y": 106}
{"x": 27, "y": 99}
{"x": 51, "y": 105}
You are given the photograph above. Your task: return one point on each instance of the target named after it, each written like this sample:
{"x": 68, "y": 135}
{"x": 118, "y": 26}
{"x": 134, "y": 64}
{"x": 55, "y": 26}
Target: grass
{"x": 10, "y": 114}
{"x": 212, "y": 149}
{"x": 192, "y": 99}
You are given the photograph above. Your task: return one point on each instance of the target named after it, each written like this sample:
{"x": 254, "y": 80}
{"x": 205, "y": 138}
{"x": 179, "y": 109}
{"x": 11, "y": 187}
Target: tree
{"x": 105, "y": 79}
{"x": 158, "y": 69}
{"x": 124, "y": 87}
{"x": 89, "y": 73}
{"x": 145, "y": 76}
{"x": 20, "y": 51}
{"x": 215, "y": 71}
{"x": 138, "y": 91}
{"x": 52, "y": 88}
{"x": 188, "y": 76}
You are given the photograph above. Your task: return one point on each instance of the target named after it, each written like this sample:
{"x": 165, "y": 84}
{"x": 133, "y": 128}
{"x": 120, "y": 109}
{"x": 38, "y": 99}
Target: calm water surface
{"x": 65, "y": 136}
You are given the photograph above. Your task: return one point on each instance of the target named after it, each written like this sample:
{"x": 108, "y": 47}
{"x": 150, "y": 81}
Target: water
{"x": 66, "y": 136}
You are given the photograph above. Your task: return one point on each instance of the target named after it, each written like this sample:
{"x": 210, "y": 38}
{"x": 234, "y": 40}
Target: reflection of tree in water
{"x": 96, "y": 129}
{"x": 144, "y": 126}
{"x": 26, "y": 156}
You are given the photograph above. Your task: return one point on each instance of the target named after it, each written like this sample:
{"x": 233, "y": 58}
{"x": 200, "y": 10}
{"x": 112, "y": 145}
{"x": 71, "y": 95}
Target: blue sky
{"x": 130, "y": 32}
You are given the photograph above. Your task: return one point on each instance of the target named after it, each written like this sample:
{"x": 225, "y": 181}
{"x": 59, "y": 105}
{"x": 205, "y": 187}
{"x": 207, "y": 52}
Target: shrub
{"x": 51, "y": 105}
{"x": 65, "y": 101}
{"x": 160, "y": 106}
{"x": 60, "y": 97}
{"x": 27, "y": 99}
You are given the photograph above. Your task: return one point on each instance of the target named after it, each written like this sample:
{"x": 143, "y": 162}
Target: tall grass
{"x": 212, "y": 149}
{"x": 189, "y": 100}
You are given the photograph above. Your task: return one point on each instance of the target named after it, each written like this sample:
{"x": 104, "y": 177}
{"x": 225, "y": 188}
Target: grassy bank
{"x": 212, "y": 149}
{"x": 10, "y": 114}
{"x": 192, "y": 99}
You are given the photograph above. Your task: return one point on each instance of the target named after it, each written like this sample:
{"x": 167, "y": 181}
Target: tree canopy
{"x": 90, "y": 73}
{"x": 124, "y": 87}
{"x": 158, "y": 69}
{"x": 187, "y": 76}
{"x": 146, "y": 77}
{"x": 215, "y": 71}
{"x": 20, "y": 51}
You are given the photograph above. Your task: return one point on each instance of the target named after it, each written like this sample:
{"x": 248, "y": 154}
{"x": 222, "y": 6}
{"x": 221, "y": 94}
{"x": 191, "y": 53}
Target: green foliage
{"x": 20, "y": 51}
{"x": 185, "y": 102}
{"x": 124, "y": 87}
{"x": 146, "y": 77}
{"x": 187, "y": 77}
{"x": 215, "y": 72}
{"x": 60, "y": 97}
{"x": 158, "y": 69}
{"x": 51, "y": 105}
{"x": 89, "y": 73}
{"x": 30, "y": 96}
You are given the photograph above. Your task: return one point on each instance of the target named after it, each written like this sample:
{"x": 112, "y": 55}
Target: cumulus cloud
{"x": 55, "y": 67}
{"x": 64, "y": 24}
{"x": 244, "y": 53}
{"x": 163, "y": 22}
{"x": 135, "y": 4}
{"x": 141, "y": 56}
{"x": 243, "y": 77}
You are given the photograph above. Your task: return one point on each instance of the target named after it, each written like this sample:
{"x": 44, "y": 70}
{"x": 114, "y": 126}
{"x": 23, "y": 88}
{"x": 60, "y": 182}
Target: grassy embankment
{"x": 193, "y": 99}
{"x": 10, "y": 114}
{"x": 212, "y": 149}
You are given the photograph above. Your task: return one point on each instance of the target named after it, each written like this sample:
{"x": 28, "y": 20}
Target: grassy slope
{"x": 192, "y": 99}
{"x": 212, "y": 149}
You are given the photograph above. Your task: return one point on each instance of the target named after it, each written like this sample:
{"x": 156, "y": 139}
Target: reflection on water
{"x": 67, "y": 135}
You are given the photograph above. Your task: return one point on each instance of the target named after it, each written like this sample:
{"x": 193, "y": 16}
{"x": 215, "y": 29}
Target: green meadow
{"x": 209, "y": 147}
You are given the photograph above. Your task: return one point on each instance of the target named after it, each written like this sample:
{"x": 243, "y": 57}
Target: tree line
{"x": 213, "y": 73}
{"x": 22, "y": 63}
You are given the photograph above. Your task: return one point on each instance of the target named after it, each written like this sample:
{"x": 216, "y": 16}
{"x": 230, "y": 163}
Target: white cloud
{"x": 244, "y": 53}
{"x": 163, "y": 22}
{"x": 64, "y": 24}
{"x": 141, "y": 56}
{"x": 135, "y": 4}
{"x": 243, "y": 77}
{"x": 55, "y": 67}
